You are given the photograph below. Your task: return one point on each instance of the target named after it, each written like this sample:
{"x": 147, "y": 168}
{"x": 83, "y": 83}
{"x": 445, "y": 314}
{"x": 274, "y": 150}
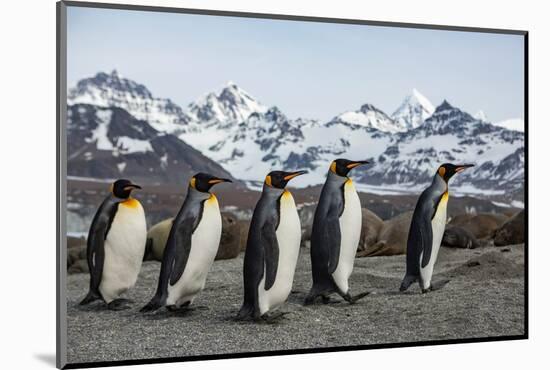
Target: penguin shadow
{"x": 100, "y": 306}
{"x": 397, "y": 292}
{"x": 165, "y": 314}
{"x": 277, "y": 318}
{"x": 92, "y": 307}
{"x": 334, "y": 300}
{"x": 436, "y": 285}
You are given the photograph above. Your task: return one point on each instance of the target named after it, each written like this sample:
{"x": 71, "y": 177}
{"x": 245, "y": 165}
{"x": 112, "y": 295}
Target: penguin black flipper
{"x": 333, "y": 237}
{"x": 425, "y": 239}
{"x": 271, "y": 253}
{"x": 95, "y": 251}
{"x": 182, "y": 245}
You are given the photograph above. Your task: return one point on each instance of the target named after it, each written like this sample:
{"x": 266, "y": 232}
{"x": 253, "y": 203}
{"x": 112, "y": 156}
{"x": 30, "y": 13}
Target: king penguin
{"x": 116, "y": 245}
{"x": 191, "y": 246}
{"x": 427, "y": 228}
{"x": 272, "y": 248}
{"x": 335, "y": 234}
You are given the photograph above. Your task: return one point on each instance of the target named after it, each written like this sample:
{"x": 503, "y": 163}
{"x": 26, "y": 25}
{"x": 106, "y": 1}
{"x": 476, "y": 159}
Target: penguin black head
{"x": 203, "y": 182}
{"x": 279, "y": 179}
{"x": 448, "y": 170}
{"x": 341, "y": 167}
{"x": 123, "y": 188}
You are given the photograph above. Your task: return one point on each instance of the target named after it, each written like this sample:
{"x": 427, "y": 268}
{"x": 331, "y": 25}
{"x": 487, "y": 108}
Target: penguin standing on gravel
{"x": 191, "y": 247}
{"x": 427, "y": 228}
{"x": 335, "y": 234}
{"x": 272, "y": 248}
{"x": 116, "y": 245}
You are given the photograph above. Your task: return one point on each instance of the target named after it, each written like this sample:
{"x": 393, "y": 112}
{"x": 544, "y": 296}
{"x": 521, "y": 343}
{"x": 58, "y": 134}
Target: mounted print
{"x": 235, "y": 184}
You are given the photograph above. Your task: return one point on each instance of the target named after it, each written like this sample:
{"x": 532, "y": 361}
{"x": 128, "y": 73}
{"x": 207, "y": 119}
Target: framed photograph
{"x": 235, "y": 184}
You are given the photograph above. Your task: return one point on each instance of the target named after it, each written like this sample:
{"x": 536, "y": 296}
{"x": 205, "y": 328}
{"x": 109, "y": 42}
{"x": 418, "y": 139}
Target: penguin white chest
{"x": 438, "y": 228}
{"x": 350, "y": 232}
{"x": 204, "y": 247}
{"x": 124, "y": 250}
{"x": 289, "y": 234}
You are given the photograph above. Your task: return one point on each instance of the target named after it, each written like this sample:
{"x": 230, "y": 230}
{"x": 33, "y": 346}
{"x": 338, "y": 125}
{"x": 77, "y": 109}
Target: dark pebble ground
{"x": 485, "y": 297}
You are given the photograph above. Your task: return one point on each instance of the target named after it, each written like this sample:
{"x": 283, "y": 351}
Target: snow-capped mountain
{"x": 516, "y": 124}
{"x": 267, "y": 139}
{"x": 414, "y": 110}
{"x": 109, "y": 143}
{"x": 451, "y": 135}
{"x": 480, "y": 115}
{"x": 369, "y": 117}
{"x": 113, "y": 90}
{"x": 232, "y": 105}
{"x": 248, "y": 149}
{"x": 231, "y": 129}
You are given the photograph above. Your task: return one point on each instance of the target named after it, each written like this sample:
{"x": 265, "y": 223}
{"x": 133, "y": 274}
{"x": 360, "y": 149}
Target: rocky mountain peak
{"x": 444, "y": 106}
{"x": 413, "y": 111}
{"x": 365, "y": 108}
{"x": 109, "y": 84}
{"x": 232, "y": 105}
{"x": 113, "y": 90}
{"x": 480, "y": 115}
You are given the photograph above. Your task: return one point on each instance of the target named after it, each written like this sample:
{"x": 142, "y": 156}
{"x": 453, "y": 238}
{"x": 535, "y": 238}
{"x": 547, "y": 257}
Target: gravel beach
{"x": 485, "y": 297}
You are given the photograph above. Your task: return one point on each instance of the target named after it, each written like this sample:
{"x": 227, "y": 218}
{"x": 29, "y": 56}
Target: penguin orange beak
{"x": 218, "y": 180}
{"x": 355, "y": 164}
{"x": 132, "y": 186}
{"x": 462, "y": 167}
{"x": 292, "y": 175}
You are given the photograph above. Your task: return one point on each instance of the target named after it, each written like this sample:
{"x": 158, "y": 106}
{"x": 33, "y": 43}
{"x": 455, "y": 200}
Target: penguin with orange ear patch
{"x": 427, "y": 228}
{"x": 116, "y": 245}
{"x": 271, "y": 250}
{"x": 191, "y": 246}
{"x": 335, "y": 234}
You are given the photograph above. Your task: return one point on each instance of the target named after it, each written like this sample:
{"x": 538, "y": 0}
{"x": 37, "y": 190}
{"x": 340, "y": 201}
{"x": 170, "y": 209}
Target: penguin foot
{"x": 407, "y": 282}
{"x": 310, "y": 299}
{"x": 153, "y": 305}
{"x": 91, "y": 297}
{"x": 119, "y": 304}
{"x": 353, "y": 299}
{"x": 314, "y": 294}
{"x": 326, "y": 299}
{"x": 329, "y": 300}
{"x": 184, "y": 308}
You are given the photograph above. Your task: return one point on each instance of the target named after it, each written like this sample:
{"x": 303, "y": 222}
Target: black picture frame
{"x": 61, "y": 173}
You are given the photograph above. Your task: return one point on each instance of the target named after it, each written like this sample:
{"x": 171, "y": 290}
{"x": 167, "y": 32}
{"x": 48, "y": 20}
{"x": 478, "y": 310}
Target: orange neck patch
{"x": 130, "y": 203}
{"x": 212, "y": 198}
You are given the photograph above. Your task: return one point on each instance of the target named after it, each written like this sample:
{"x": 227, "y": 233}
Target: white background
{"x": 27, "y": 203}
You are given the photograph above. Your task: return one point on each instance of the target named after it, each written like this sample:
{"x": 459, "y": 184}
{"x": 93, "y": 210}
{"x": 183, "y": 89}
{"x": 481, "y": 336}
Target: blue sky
{"x": 311, "y": 70}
